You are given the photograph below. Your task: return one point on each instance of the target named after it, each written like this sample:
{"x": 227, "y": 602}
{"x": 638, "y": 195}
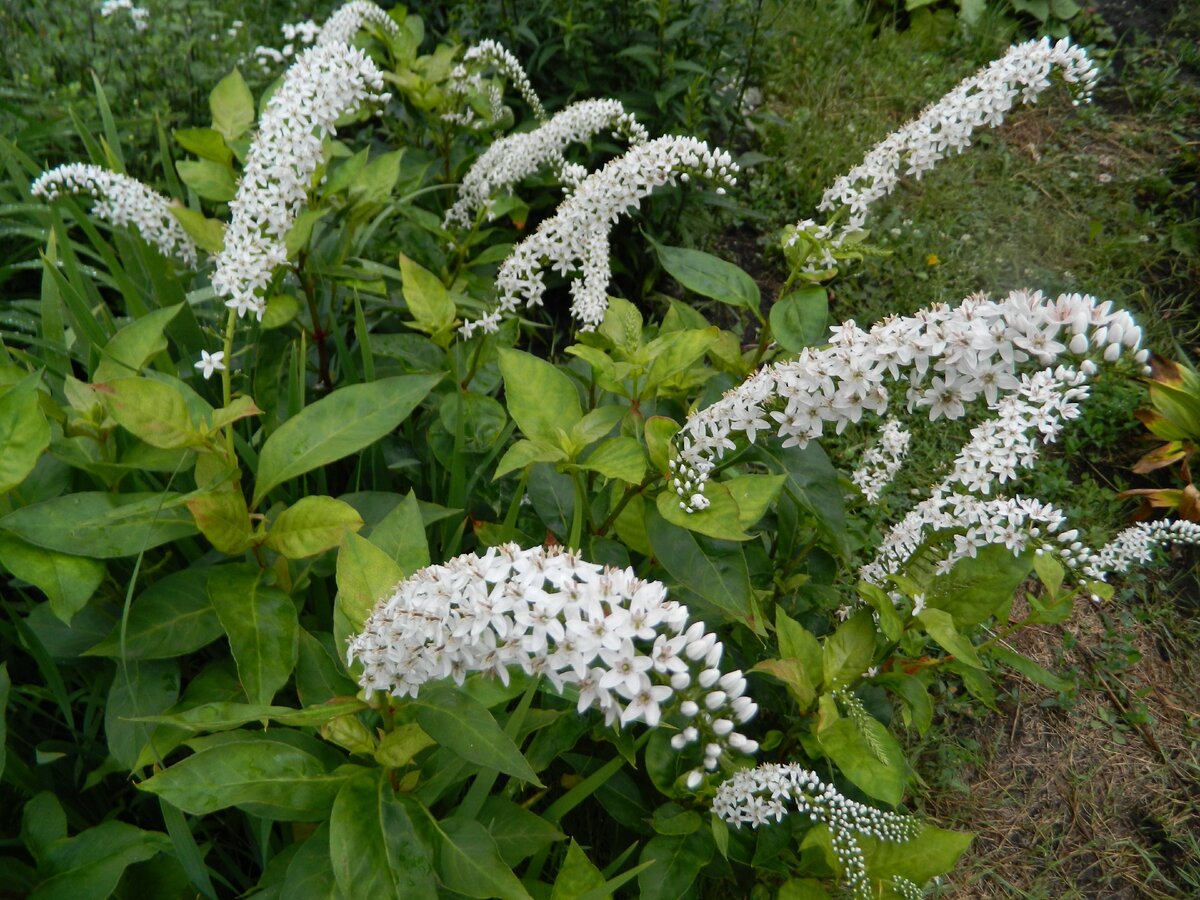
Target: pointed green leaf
{"x": 848, "y": 652}
{"x": 262, "y": 628}
{"x": 621, "y": 457}
{"x": 345, "y": 422}
{"x": 540, "y": 398}
{"x": 798, "y": 319}
{"x": 153, "y": 411}
{"x": 67, "y": 581}
{"x": 103, "y": 525}
{"x": 426, "y": 297}
{"x": 577, "y": 877}
{"x": 312, "y": 525}
{"x": 401, "y": 535}
{"x": 232, "y": 106}
{"x": 373, "y": 845}
{"x": 708, "y": 275}
{"x": 465, "y": 726}
{"x": 135, "y": 345}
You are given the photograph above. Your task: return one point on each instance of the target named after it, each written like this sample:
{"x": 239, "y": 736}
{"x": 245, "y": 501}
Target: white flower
{"x": 518, "y": 156}
{"x": 137, "y": 14}
{"x": 324, "y": 83}
{"x": 612, "y": 636}
{"x": 211, "y": 362}
{"x": 122, "y": 201}
{"x": 492, "y": 53}
{"x": 576, "y": 237}
{"x": 344, "y": 24}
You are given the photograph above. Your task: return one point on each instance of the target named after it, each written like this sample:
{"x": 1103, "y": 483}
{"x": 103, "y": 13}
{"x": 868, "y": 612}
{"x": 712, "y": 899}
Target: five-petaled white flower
{"x": 211, "y": 362}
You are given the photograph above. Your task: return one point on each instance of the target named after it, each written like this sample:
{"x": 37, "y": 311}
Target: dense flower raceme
{"x": 493, "y": 54}
{"x": 881, "y": 462}
{"x": 766, "y": 794}
{"x": 948, "y": 355}
{"x": 1022, "y": 74}
{"x": 122, "y": 201}
{"x": 576, "y": 237}
{"x": 325, "y": 82}
{"x": 618, "y": 640}
{"x": 513, "y": 158}
{"x": 138, "y": 14}
{"x": 343, "y": 25}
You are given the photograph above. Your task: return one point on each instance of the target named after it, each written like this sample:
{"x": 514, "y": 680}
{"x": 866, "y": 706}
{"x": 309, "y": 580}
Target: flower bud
{"x": 708, "y": 678}
{"x": 688, "y": 708}
{"x": 715, "y": 700}
{"x": 722, "y": 727}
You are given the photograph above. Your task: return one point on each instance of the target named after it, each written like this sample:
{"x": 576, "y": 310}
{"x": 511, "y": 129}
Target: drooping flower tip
{"x": 121, "y": 201}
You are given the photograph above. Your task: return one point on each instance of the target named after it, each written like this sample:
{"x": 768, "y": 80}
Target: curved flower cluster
{"x": 757, "y": 796}
{"x": 949, "y": 356}
{"x": 122, "y": 201}
{"x": 323, "y": 84}
{"x": 138, "y": 14}
{"x": 343, "y": 25}
{"x": 1130, "y": 547}
{"x": 946, "y": 126}
{"x": 618, "y": 640}
{"x": 518, "y": 156}
{"x": 493, "y": 53}
{"x": 881, "y": 463}
{"x": 576, "y": 237}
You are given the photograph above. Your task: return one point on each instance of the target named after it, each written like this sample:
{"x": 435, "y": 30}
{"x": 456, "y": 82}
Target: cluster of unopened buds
{"x": 615, "y": 639}
{"x": 766, "y": 794}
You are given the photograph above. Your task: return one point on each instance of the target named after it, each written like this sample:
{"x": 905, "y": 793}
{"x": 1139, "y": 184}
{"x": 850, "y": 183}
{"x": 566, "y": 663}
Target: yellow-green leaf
{"x": 312, "y": 525}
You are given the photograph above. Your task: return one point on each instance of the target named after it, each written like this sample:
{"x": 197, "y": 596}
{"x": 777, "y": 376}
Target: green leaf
{"x": 281, "y": 309}
{"x": 1031, "y": 670}
{"x": 469, "y": 862}
{"x": 312, "y": 525}
{"x": 717, "y": 574}
{"x": 660, "y": 430}
{"x": 309, "y": 871}
{"x": 932, "y": 852}
{"x": 139, "y": 689}
{"x": 718, "y": 520}
{"x": 209, "y": 234}
{"x": 376, "y": 181}
{"x": 222, "y": 517}
{"x": 540, "y": 398}
{"x": 43, "y": 823}
{"x": 136, "y": 344}
{"x": 89, "y": 865}
{"x": 319, "y": 673}
{"x": 798, "y": 319}
{"x": 205, "y": 143}
{"x": 676, "y": 352}
{"x": 212, "y": 181}
{"x": 465, "y": 726}
{"x": 262, "y": 775}
{"x": 5, "y": 688}
{"x": 596, "y": 424}
{"x": 223, "y": 715}
{"x": 301, "y": 231}
{"x": 620, "y": 457}
{"x": 373, "y": 845}
{"x": 705, "y": 274}
{"x": 102, "y": 525}
{"x": 399, "y": 746}
{"x": 845, "y": 744}
{"x": 401, "y": 535}
{"x": 262, "y": 628}
{"x": 793, "y": 674}
{"x": 848, "y": 652}
{"x": 365, "y": 575}
{"x": 678, "y": 859}
{"x": 524, "y": 453}
{"x": 345, "y": 422}
{"x": 978, "y": 586}
{"x": 518, "y": 832}
{"x": 24, "y": 432}
{"x": 577, "y": 876}
{"x": 890, "y": 621}
{"x": 172, "y": 617}
{"x": 622, "y": 325}
{"x": 426, "y": 297}
{"x": 153, "y": 411}
{"x": 753, "y": 495}
{"x": 67, "y": 581}
{"x": 232, "y": 106}
{"x": 940, "y": 625}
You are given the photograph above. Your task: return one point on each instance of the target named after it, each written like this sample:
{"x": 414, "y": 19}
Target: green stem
{"x": 574, "y": 542}
{"x": 227, "y": 376}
